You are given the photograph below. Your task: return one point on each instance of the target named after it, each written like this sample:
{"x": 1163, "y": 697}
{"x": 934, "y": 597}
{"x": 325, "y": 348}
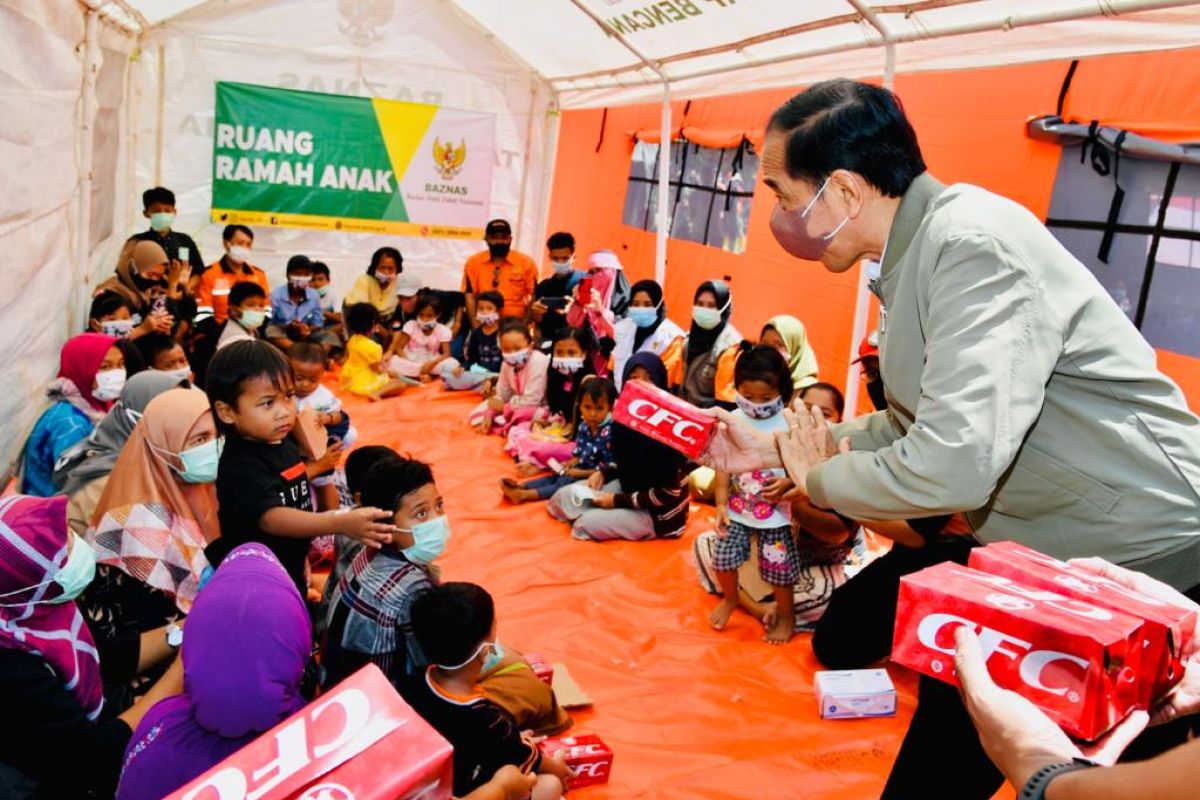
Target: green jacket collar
{"x": 914, "y": 206}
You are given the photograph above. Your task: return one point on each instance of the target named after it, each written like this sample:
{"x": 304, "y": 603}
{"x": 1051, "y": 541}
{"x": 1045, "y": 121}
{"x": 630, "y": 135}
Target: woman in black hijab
{"x": 646, "y": 329}
{"x": 645, "y": 496}
{"x": 711, "y": 339}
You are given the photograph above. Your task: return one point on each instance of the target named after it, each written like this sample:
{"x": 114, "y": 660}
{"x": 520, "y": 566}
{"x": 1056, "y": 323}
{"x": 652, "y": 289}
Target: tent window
{"x": 1151, "y": 266}
{"x": 711, "y": 190}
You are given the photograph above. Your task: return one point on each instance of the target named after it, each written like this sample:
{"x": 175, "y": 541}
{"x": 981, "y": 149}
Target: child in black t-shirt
{"x": 455, "y": 626}
{"x": 263, "y": 493}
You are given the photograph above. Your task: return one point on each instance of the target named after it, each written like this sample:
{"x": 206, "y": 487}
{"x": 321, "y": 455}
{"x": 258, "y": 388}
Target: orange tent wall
{"x": 971, "y": 128}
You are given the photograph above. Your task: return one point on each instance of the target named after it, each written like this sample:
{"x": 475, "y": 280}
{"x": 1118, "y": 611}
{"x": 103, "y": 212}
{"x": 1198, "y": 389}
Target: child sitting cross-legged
{"x": 521, "y": 387}
{"x": 363, "y": 373}
{"x": 422, "y": 344}
{"x": 455, "y": 624}
{"x": 262, "y": 485}
{"x": 593, "y": 444}
{"x": 548, "y": 436}
{"x": 482, "y": 349}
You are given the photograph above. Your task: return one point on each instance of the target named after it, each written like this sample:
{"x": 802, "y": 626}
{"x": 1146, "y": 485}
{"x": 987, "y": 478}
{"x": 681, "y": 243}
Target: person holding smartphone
{"x": 550, "y": 295}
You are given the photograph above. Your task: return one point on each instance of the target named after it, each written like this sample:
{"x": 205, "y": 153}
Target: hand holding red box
{"x": 650, "y": 411}
{"x": 1168, "y": 627}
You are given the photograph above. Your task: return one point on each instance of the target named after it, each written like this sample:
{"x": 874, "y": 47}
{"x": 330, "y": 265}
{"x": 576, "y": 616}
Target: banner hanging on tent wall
{"x": 360, "y": 164}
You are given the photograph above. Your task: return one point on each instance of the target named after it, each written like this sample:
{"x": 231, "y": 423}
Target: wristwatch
{"x": 174, "y": 636}
{"x": 1035, "y": 788}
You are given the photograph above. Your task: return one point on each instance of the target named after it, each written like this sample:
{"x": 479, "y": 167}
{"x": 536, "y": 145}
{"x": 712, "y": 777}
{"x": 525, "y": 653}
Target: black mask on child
{"x": 877, "y": 395}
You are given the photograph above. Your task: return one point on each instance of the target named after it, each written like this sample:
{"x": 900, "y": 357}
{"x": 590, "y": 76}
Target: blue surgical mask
{"x": 516, "y": 360}
{"x": 429, "y": 540}
{"x": 643, "y": 317}
{"x": 119, "y": 328}
{"x": 252, "y": 318}
{"x": 494, "y": 658}
{"x": 562, "y": 267}
{"x": 200, "y": 462}
{"x": 706, "y": 318}
{"x": 77, "y": 573}
{"x": 760, "y": 410}
{"x": 74, "y": 576}
{"x": 162, "y": 221}
{"x": 323, "y": 290}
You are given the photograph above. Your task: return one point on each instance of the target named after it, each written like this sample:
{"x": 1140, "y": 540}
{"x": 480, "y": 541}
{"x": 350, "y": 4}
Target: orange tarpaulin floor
{"x": 690, "y": 713}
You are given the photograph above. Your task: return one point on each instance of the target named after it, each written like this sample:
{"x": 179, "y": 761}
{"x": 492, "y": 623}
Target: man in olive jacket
{"x": 1019, "y": 395}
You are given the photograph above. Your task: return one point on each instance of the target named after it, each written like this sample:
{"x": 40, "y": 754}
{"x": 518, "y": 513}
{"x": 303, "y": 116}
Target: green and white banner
{"x": 304, "y": 159}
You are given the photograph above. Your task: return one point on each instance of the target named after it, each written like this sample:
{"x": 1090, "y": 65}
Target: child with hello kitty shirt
{"x": 751, "y": 503}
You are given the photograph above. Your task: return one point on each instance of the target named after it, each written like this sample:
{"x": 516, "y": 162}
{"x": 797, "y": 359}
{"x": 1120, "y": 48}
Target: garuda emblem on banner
{"x": 449, "y": 160}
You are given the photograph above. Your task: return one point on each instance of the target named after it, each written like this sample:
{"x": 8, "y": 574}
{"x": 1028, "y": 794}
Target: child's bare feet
{"x": 515, "y": 494}
{"x": 509, "y": 482}
{"x": 527, "y": 469}
{"x": 782, "y": 631}
{"x": 374, "y": 397}
{"x": 426, "y": 377}
{"x": 720, "y": 615}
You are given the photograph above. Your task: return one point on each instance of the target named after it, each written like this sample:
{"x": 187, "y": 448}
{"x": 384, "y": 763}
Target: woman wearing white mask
{"x": 218, "y": 280}
{"x": 378, "y": 285}
{"x": 90, "y": 377}
{"x": 82, "y": 472}
{"x": 711, "y": 347}
{"x": 51, "y": 666}
{"x": 156, "y": 515}
{"x": 647, "y": 329}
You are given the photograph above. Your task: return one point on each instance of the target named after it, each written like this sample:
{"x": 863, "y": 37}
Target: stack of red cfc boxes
{"x": 358, "y": 742}
{"x": 650, "y": 411}
{"x": 589, "y": 759}
{"x": 1083, "y": 649}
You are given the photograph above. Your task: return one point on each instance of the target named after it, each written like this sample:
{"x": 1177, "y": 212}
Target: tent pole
{"x": 862, "y": 297}
{"x": 662, "y": 222}
{"x": 662, "y": 218}
{"x": 522, "y": 227}
{"x": 87, "y": 130}
{"x": 158, "y": 121}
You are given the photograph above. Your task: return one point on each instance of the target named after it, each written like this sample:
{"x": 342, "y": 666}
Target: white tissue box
{"x": 855, "y": 693}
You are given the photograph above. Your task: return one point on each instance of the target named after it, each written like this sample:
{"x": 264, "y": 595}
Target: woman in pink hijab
{"x": 595, "y": 314}
{"x": 52, "y": 669}
{"x": 90, "y": 378}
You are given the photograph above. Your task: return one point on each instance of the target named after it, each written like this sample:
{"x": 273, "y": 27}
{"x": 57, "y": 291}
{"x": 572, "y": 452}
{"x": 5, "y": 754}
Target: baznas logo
{"x": 448, "y": 159}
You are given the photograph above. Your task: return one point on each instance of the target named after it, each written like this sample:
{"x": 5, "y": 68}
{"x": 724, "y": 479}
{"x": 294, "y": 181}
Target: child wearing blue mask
{"x": 593, "y": 445}
{"x": 747, "y": 504}
{"x": 646, "y": 329}
{"x": 368, "y": 616}
{"x": 455, "y": 625}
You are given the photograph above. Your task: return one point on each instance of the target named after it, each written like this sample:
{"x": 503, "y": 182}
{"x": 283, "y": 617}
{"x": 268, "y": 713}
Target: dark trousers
{"x": 856, "y": 630}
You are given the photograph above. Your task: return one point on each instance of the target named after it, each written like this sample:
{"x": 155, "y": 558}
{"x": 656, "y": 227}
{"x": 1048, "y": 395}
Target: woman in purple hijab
{"x": 248, "y": 639}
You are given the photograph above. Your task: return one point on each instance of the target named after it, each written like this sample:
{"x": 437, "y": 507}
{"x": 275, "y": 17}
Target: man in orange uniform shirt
{"x": 501, "y": 269}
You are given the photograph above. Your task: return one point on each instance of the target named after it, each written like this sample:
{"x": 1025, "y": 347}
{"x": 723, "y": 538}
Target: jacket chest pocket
{"x": 1040, "y": 484}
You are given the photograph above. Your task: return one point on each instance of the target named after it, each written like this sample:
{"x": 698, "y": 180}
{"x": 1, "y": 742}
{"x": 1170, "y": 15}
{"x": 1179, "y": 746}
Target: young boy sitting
{"x": 367, "y": 621}
{"x": 161, "y": 352}
{"x": 158, "y": 206}
{"x": 482, "y": 348}
{"x": 112, "y": 315}
{"x": 593, "y": 445}
{"x": 308, "y": 364}
{"x": 455, "y": 625}
{"x": 262, "y": 486}
{"x": 247, "y": 312}
{"x": 331, "y": 304}
{"x": 295, "y": 306}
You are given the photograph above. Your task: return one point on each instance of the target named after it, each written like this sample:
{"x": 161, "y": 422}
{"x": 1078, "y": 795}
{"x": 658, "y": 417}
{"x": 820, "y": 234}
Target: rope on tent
{"x": 1066, "y": 86}
{"x": 603, "y": 127}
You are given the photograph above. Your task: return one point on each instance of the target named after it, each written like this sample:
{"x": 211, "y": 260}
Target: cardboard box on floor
{"x": 358, "y": 741}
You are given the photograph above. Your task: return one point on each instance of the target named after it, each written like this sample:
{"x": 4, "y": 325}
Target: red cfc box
{"x": 359, "y": 742}
{"x": 1075, "y": 661}
{"x": 542, "y": 668}
{"x": 1167, "y": 627}
{"x": 589, "y": 759}
{"x": 665, "y": 418}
